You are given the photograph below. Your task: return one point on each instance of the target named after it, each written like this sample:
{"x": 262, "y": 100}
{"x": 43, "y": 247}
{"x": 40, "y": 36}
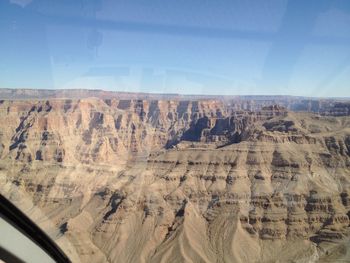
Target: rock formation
{"x": 159, "y": 180}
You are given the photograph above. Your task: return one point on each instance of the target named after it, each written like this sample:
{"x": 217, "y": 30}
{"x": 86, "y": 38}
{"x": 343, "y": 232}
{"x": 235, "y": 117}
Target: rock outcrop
{"x": 138, "y": 180}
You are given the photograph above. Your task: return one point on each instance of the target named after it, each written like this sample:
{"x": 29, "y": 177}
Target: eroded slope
{"x": 179, "y": 181}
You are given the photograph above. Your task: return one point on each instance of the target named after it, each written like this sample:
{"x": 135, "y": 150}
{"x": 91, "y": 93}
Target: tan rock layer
{"x": 179, "y": 181}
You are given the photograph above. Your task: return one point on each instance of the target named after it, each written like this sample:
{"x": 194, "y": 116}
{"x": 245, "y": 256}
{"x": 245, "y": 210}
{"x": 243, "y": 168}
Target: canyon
{"x": 115, "y": 177}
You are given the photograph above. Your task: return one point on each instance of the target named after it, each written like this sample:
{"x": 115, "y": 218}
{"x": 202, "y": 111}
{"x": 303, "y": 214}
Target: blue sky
{"x": 186, "y": 46}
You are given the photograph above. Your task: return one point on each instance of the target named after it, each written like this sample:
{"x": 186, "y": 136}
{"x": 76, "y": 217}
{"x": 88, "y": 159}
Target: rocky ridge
{"x": 180, "y": 180}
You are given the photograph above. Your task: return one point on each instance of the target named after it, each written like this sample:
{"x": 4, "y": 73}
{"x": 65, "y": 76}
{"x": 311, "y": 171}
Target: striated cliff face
{"x": 93, "y": 130}
{"x": 324, "y": 106}
{"x": 179, "y": 180}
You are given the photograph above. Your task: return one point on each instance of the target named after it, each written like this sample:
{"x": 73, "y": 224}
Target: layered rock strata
{"x": 179, "y": 181}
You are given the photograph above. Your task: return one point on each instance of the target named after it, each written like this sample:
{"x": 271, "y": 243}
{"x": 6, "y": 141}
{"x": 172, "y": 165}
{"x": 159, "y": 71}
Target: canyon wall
{"x": 205, "y": 180}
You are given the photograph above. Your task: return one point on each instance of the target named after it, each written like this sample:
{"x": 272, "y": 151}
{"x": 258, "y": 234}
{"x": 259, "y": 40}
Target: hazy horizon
{"x": 176, "y": 94}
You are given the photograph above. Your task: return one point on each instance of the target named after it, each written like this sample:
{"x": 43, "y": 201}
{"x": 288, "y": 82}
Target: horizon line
{"x": 172, "y": 94}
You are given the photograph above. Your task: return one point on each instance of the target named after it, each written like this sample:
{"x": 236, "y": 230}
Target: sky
{"x": 224, "y": 47}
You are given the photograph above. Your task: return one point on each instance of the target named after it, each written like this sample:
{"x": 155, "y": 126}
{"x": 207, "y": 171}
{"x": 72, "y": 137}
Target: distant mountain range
{"x": 326, "y": 106}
